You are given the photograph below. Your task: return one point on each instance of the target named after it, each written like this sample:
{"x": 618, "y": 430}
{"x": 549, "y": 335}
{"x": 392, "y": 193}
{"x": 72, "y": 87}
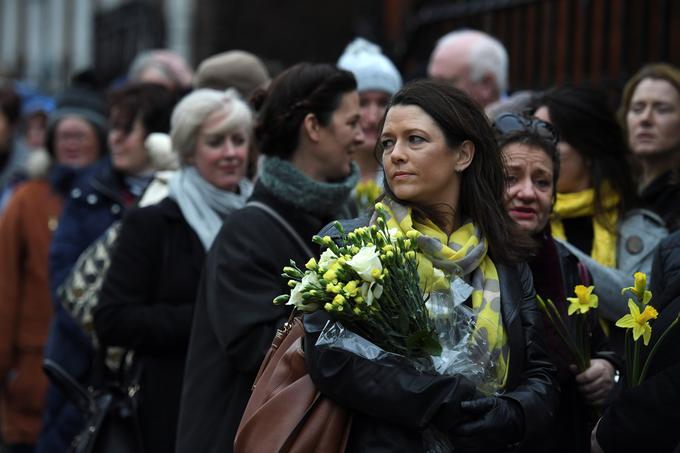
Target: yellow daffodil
{"x": 637, "y": 321}
{"x": 584, "y": 300}
{"x": 640, "y": 288}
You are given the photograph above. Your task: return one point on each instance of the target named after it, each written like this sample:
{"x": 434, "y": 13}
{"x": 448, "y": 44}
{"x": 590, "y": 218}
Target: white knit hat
{"x": 372, "y": 69}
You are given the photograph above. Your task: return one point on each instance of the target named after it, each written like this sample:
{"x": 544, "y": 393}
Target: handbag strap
{"x": 286, "y": 226}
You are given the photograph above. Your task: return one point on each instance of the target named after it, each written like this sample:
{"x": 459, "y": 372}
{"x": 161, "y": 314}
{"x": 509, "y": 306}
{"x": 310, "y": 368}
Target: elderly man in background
{"x": 473, "y": 62}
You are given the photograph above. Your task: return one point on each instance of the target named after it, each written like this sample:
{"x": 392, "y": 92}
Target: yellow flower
{"x": 412, "y": 234}
{"x": 637, "y": 321}
{"x": 640, "y": 288}
{"x": 583, "y": 301}
{"x": 351, "y": 288}
{"x": 328, "y": 307}
{"x": 330, "y": 276}
{"x": 338, "y": 300}
{"x": 311, "y": 264}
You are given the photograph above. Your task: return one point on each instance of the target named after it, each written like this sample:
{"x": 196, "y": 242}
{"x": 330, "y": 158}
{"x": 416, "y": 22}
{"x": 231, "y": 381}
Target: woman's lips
{"x": 523, "y": 213}
{"x": 400, "y": 175}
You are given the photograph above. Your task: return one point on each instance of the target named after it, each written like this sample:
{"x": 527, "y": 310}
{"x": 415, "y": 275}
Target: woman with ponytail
{"x": 308, "y": 128}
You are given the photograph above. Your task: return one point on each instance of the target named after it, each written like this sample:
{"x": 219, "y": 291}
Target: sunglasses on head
{"x": 507, "y": 123}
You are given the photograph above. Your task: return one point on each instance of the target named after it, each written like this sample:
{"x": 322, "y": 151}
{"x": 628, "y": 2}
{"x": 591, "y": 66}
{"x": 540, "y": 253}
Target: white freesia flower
{"x": 309, "y": 279}
{"x": 296, "y": 296}
{"x": 327, "y": 259}
{"x": 371, "y": 292}
{"x": 365, "y": 262}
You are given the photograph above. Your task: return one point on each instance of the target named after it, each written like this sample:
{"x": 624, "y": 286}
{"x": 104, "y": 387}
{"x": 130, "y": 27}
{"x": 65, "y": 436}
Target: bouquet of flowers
{"x": 637, "y": 326}
{"x": 387, "y": 298}
{"x": 578, "y": 339}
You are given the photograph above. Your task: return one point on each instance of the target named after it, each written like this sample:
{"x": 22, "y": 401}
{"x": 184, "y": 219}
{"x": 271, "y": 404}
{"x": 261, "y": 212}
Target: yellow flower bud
{"x": 327, "y": 240}
{"x": 412, "y": 234}
{"x": 410, "y": 255}
{"x": 330, "y": 276}
{"x": 328, "y": 307}
{"x": 338, "y": 300}
{"x": 311, "y": 264}
{"x": 292, "y": 283}
{"x": 407, "y": 243}
{"x": 375, "y": 273}
{"x": 357, "y": 311}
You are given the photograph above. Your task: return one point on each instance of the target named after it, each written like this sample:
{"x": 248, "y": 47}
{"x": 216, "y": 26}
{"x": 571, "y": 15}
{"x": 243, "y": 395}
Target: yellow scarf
{"x": 463, "y": 253}
{"x": 580, "y": 204}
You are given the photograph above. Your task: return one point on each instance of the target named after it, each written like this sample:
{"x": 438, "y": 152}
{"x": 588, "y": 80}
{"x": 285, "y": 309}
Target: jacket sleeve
{"x": 538, "y": 391}
{"x": 67, "y": 244}
{"x": 11, "y": 264}
{"x": 242, "y": 278}
{"x": 383, "y": 389}
{"x": 608, "y": 283}
{"x": 128, "y": 314}
{"x": 644, "y": 418}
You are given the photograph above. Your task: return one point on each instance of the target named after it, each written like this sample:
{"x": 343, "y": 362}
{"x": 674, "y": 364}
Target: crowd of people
{"x": 143, "y": 231}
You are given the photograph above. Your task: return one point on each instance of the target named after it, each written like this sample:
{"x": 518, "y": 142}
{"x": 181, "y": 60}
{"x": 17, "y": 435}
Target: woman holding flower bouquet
{"x": 308, "y": 128}
{"x": 444, "y": 185}
{"x": 528, "y": 147}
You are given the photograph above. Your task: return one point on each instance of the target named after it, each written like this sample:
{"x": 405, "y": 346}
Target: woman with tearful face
{"x": 528, "y": 147}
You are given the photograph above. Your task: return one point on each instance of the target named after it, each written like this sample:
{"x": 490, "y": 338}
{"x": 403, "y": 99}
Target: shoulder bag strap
{"x": 286, "y": 226}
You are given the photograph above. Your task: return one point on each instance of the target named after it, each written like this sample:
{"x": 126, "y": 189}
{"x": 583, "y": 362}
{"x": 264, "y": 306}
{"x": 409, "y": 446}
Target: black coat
{"x": 652, "y": 407}
{"x": 556, "y": 273}
{"x": 146, "y": 304}
{"x": 235, "y": 319}
{"x": 391, "y": 404}
{"x": 663, "y": 197}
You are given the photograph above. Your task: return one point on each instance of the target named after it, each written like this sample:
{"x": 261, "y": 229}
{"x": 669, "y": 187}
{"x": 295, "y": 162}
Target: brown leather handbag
{"x": 286, "y": 413}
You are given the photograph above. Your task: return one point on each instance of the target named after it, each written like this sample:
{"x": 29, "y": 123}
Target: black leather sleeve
{"x": 538, "y": 391}
{"x": 383, "y": 389}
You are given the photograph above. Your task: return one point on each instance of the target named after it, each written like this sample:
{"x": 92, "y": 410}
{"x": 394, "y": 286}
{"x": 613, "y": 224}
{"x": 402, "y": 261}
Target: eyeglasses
{"x": 507, "y": 123}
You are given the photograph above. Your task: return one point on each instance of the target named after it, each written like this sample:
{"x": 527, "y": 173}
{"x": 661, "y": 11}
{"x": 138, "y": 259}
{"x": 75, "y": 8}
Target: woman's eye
{"x": 214, "y": 142}
{"x": 416, "y": 140}
{"x": 387, "y": 143}
{"x": 238, "y": 140}
{"x": 637, "y": 108}
{"x": 543, "y": 184}
{"x": 511, "y": 180}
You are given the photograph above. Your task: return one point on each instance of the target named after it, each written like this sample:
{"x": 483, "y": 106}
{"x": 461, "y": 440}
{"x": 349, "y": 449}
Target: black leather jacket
{"x": 392, "y": 403}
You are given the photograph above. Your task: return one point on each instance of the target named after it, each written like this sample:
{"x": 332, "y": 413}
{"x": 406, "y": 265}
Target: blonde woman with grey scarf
{"x": 147, "y": 300}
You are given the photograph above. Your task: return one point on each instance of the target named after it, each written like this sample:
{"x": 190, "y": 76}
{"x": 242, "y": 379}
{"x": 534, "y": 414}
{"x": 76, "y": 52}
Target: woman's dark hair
{"x": 302, "y": 89}
{"x": 586, "y": 122}
{"x": 150, "y": 103}
{"x": 483, "y": 182}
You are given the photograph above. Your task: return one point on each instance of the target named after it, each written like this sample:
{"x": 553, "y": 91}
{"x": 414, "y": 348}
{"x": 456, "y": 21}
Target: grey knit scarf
{"x": 291, "y": 185}
{"x": 203, "y": 205}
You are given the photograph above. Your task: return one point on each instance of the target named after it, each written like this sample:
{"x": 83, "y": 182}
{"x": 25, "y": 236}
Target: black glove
{"x": 490, "y": 424}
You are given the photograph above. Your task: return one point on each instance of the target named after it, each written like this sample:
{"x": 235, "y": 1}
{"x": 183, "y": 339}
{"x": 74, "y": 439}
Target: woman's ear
{"x": 466, "y": 152}
{"x": 312, "y": 127}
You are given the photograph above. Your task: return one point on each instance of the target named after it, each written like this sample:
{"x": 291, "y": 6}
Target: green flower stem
{"x": 636, "y": 364}
{"x": 652, "y": 353}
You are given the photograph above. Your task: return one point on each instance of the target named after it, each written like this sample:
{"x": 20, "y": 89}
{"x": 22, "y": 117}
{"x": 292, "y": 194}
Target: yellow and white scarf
{"x": 581, "y": 204}
{"x": 463, "y": 254}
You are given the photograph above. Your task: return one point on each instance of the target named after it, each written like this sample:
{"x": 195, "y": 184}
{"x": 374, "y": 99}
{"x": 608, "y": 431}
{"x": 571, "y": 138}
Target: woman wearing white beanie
{"x": 377, "y": 80}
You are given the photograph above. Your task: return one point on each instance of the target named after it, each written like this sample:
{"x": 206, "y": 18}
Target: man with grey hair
{"x": 472, "y": 61}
